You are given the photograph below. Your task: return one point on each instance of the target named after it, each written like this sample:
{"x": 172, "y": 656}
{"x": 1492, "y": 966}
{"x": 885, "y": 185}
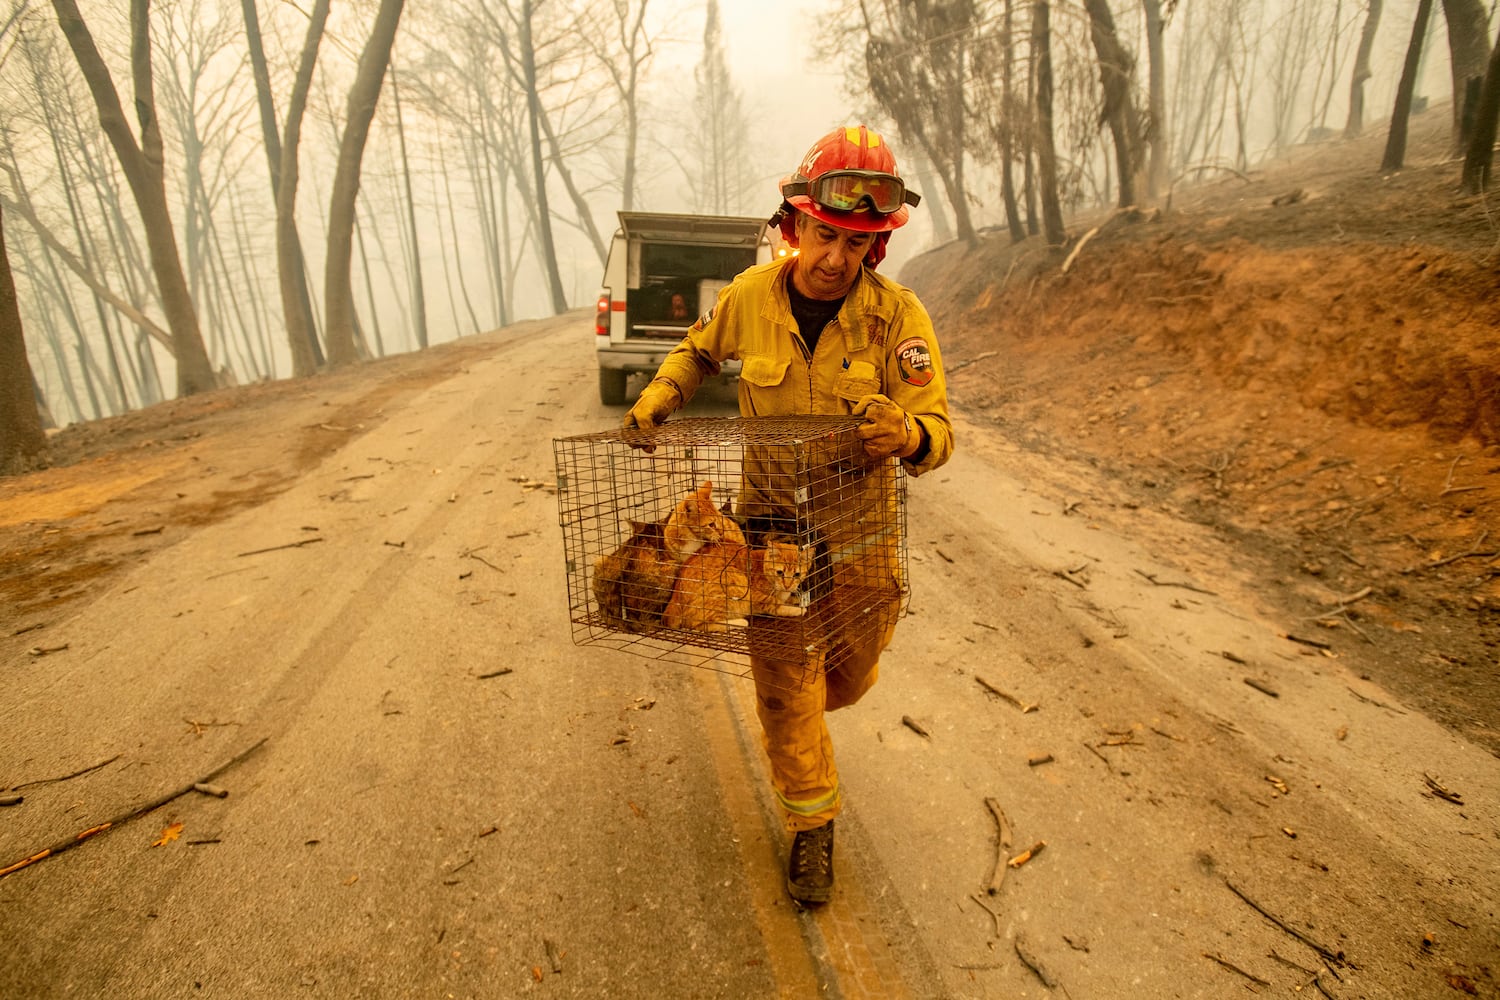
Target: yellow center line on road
{"x": 834, "y": 950}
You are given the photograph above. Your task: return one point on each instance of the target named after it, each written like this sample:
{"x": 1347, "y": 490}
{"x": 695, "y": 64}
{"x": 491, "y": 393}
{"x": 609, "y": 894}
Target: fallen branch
{"x": 125, "y": 817}
{"x": 1173, "y": 583}
{"x": 1372, "y": 701}
{"x": 1337, "y": 957}
{"x": 993, "y": 915}
{"x": 1031, "y": 962}
{"x": 1235, "y": 968}
{"x": 1078, "y": 248}
{"x": 66, "y": 777}
{"x": 992, "y": 689}
{"x": 1474, "y": 552}
{"x": 1314, "y": 643}
{"x": 1002, "y": 847}
{"x": 1336, "y": 463}
{"x": 950, "y": 369}
{"x": 1066, "y": 574}
{"x": 1262, "y": 687}
{"x": 1448, "y": 486}
{"x": 278, "y": 548}
{"x": 1441, "y": 792}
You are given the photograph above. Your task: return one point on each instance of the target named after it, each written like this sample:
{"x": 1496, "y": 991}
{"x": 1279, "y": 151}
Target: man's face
{"x": 829, "y": 258}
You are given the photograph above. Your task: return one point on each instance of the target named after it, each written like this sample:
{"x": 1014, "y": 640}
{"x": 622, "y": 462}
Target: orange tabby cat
{"x": 696, "y": 522}
{"x": 712, "y": 591}
{"x": 776, "y": 572}
{"x": 633, "y": 583}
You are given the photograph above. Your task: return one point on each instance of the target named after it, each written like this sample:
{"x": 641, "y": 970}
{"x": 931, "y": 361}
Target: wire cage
{"x": 706, "y": 540}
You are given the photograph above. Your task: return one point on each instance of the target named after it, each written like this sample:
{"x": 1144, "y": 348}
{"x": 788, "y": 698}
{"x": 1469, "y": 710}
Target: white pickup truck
{"x": 663, "y": 272}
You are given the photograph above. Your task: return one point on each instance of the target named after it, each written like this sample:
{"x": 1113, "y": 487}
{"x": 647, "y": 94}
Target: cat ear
{"x": 706, "y": 491}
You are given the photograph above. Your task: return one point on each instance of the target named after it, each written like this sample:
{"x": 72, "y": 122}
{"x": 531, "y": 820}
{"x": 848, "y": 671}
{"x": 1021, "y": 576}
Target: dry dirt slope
{"x": 1307, "y": 359}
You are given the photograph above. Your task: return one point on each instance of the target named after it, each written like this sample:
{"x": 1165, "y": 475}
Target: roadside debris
{"x": 1002, "y": 844}
{"x": 915, "y": 726}
{"x": 278, "y": 548}
{"x": 125, "y": 817}
{"x": 1262, "y": 687}
{"x": 1029, "y": 959}
{"x": 1436, "y": 790}
{"x": 1027, "y": 855}
{"x": 1006, "y": 695}
{"x": 1331, "y": 956}
{"x": 1235, "y": 968}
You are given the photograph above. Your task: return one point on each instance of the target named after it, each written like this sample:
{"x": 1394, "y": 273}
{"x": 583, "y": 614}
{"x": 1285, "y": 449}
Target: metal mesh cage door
{"x": 704, "y": 540}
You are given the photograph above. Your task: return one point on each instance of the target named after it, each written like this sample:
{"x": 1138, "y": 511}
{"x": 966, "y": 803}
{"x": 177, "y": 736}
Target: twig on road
{"x": 915, "y": 726}
{"x": 1007, "y": 696}
{"x": 1176, "y": 583}
{"x": 1002, "y": 847}
{"x": 278, "y": 548}
{"x": 1331, "y": 956}
{"x": 1262, "y": 687}
{"x": 1235, "y": 968}
{"x": 1033, "y": 963}
{"x": 66, "y": 777}
{"x": 993, "y": 915}
{"x": 1439, "y": 791}
{"x": 125, "y": 817}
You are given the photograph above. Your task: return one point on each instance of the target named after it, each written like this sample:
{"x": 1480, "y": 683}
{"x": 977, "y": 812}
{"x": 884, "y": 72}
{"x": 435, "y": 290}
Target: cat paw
{"x": 738, "y": 623}
{"x": 790, "y": 611}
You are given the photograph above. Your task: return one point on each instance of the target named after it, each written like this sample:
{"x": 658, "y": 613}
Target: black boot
{"x": 809, "y": 875}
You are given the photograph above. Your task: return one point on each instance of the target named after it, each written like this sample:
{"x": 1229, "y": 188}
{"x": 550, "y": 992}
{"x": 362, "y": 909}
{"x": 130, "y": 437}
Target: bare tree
{"x": 1116, "y": 71}
{"x": 717, "y": 174}
{"x": 1041, "y": 47}
{"x": 622, "y": 45}
{"x": 1395, "y": 143}
{"x": 1469, "y": 49}
{"x": 23, "y": 443}
{"x": 1355, "y": 123}
{"x": 1481, "y": 152}
{"x": 1156, "y": 99}
{"x": 143, "y": 166}
{"x": 916, "y": 58}
{"x": 418, "y": 289}
{"x": 302, "y": 326}
{"x": 338, "y": 289}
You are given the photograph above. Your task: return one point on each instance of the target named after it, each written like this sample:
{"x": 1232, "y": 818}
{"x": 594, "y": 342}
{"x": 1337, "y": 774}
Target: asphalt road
{"x": 452, "y": 799}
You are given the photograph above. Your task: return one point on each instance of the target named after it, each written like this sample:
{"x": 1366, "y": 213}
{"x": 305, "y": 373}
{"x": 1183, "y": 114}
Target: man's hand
{"x": 653, "y": 405}
{"x": 888, "y": 430}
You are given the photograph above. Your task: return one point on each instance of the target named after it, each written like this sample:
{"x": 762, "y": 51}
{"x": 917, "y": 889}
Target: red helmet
{"x": 849, "y": 179}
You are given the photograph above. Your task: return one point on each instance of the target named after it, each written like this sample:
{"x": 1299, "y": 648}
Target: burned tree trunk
{"x": 23, "y": 443}
{"x": 1395, "y": 143}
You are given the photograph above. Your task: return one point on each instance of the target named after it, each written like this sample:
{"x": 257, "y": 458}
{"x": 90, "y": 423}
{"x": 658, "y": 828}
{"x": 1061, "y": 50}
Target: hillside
{"x": 1306, "y": 359}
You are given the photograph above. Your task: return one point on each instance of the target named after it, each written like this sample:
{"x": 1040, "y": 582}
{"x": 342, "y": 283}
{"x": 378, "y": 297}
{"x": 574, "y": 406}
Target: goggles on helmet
{"x": 849, "y": 190}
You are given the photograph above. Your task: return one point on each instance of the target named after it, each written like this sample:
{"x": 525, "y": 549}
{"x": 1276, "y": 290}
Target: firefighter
{"x": 821, "y": 332}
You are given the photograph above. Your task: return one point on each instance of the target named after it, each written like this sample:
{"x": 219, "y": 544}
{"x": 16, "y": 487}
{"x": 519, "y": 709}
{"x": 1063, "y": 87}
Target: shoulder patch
{"x": 914, "y": 361}
{"x": 707, "y": 317}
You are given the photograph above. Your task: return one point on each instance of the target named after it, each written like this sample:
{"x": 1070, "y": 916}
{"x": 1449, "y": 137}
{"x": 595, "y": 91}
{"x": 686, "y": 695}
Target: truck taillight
{"x": 601, "y": 314}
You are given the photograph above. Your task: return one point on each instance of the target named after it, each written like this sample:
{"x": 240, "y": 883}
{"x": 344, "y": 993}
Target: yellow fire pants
{"x": 790, "y": 699}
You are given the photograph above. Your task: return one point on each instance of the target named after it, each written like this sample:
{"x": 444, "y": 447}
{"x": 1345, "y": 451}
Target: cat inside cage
{"x": 771, "y": 535}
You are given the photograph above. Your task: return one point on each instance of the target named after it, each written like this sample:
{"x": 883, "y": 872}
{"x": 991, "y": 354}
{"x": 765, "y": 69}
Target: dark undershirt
{"x": 812, "y": 315}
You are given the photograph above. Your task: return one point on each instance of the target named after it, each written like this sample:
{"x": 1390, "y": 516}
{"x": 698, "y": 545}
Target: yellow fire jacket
{"x": 884, "y": 343}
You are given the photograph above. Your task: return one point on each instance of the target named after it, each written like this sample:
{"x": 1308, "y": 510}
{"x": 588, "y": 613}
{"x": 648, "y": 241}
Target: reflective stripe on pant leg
{"x": 789, "y": 701}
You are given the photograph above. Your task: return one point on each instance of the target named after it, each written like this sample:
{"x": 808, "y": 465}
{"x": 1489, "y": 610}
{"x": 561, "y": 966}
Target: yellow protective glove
{"x": 888, "y": 429}
{"x": 653, "y": 405}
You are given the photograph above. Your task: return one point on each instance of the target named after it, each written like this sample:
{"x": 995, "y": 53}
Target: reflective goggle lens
{"x": 847, "y": 191}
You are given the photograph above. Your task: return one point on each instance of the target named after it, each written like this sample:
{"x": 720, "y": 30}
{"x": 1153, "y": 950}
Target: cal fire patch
{"x": 914, "y": 360}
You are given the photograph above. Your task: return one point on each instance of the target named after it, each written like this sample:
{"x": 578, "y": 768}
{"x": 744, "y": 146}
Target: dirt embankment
{"x": 1318, "y": 378}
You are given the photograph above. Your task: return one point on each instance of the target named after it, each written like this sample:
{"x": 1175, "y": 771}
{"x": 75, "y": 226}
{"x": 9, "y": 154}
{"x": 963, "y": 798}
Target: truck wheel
{"x": 612, "y": 386}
